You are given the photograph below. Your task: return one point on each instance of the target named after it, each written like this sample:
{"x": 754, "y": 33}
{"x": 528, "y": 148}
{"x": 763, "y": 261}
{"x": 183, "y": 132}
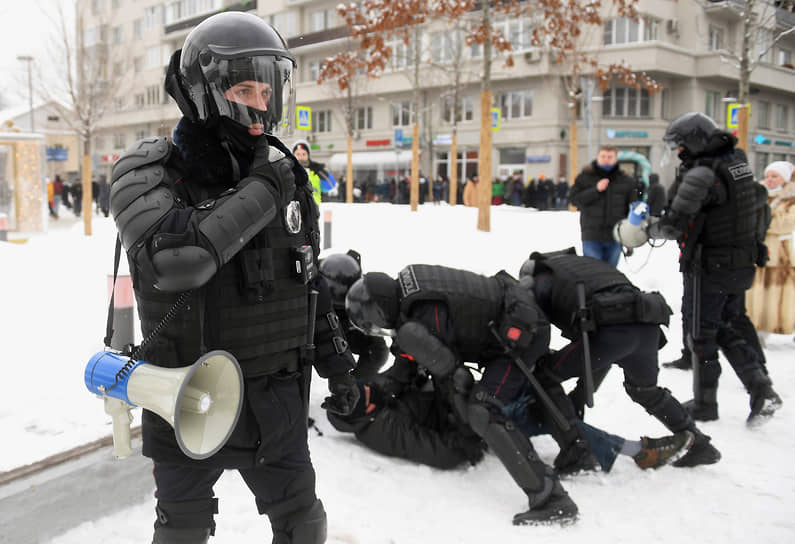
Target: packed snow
{"x": 54, "y": 293}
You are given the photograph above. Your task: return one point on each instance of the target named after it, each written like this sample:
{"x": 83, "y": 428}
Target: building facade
{"x": 685, "y": 45}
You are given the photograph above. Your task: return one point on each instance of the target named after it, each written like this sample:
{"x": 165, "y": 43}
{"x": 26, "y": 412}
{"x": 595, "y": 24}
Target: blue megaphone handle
{"x": 102, "y": 370}
{"x": 638, "y": 210}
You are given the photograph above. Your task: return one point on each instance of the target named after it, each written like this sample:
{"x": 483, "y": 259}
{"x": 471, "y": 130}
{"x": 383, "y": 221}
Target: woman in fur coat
{"x": 771, "y": 299}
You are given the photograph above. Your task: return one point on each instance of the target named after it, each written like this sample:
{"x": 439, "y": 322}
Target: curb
{"x": 62, "y": 457}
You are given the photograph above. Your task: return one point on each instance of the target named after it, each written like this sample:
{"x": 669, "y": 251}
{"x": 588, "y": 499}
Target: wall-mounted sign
{"x": 57, "y": 154}
{"x": 539, "y": 158}
{"x": 374, "y": 143}
{"x": 731, "y": 114}
{"x": 495, "y": 118}
{"x": 610, "y": 133}
{"x": 443, "y": 139}
{"x": 760, "y": 140}
{"x": 303, "y": 116}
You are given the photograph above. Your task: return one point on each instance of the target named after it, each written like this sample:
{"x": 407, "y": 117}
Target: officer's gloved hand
{"x": 345, "y": 394}
{"x": 276, "y": 173}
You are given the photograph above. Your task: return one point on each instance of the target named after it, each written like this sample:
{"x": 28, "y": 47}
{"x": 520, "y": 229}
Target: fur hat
{"x": 782, "y": 168}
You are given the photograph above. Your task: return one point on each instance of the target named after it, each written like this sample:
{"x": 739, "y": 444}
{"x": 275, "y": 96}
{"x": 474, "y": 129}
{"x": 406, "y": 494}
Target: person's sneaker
{"x": 559, "y": 509}
{"x": 701, "y": 411}
{"x": 576, "y": 457}
{"x": 700, "y": 452}
{"x": 682, "y": 363}
{"x": 657, "y": 452}
{"x": 763, "y": 405}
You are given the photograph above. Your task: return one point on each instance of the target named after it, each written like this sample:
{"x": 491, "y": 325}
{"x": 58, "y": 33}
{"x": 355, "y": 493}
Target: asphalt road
{"x": 39, "y": 507}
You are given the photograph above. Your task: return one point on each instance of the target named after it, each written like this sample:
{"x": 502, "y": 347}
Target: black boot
{"x": 764, "y": 400}
{"x": 558, "y": 509}
{"x": 701, "y": 452}
{"x": 168, "y": 535}
{"x": 684, "y": 362}
{"x": 705, "y": 406}
{"x": 576, "y": 457}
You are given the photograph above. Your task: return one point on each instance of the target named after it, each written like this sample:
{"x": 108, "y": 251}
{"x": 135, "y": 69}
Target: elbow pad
{"x": 693, "y": 191}
{"x": 234, "y": 221}
{"x": 427, "y": 350}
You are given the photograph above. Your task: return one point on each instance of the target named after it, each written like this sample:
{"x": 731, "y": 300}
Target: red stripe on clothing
{"x": 504, "y": 377}
{"x": 566, "y": 354}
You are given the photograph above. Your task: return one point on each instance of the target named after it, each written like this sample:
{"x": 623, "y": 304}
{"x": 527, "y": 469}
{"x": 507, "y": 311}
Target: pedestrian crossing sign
{"x": 495, "y": 118}
{"x": 304, "y": 118}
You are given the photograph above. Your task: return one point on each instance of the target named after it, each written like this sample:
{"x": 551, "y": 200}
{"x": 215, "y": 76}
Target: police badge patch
{"x": 292, "y": 217}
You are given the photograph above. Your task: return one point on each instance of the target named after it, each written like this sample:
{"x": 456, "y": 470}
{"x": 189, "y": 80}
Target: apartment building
{"x": 685, "y": 45}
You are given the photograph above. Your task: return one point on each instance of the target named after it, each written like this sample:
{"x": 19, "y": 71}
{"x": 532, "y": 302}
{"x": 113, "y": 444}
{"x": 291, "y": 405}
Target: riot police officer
{"x": 220, "y": 230}
{"x": 441, "y": 317}
{"x": 715, "y": 214}
{"x": 341, "y": 270}
{"x": 621, "y": 325}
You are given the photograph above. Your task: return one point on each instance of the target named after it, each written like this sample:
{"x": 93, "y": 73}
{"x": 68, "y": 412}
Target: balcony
{"x": 187, "y": 24}
{"x": 728, "y": 10}
{"x": 785, "y": 18}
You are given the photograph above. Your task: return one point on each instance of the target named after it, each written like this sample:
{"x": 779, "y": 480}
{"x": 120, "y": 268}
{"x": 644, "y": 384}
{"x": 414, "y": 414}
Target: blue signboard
{"x": 57, "y": 154}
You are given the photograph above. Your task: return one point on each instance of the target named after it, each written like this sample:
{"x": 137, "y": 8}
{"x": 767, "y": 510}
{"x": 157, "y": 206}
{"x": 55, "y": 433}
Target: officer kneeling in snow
{"x": 622, "y": 325}
{"x": 221, "y": 233}
{"x": 442, "y": 317}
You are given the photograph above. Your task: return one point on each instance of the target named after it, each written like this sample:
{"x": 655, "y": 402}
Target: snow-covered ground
{"x": 53, "y": 292}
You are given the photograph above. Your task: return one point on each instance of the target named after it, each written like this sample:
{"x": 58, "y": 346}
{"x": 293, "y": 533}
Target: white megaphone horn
{"x": 201, "y": 401}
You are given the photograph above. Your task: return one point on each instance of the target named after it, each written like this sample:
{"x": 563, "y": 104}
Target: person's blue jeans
{"x": 608, "y": 252}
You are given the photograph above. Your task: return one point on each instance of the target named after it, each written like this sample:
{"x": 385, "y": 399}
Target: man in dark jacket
{"x": 602, "y": 193}
{"x": 715, "y": 214}
{"x": 221, "y": 233}
{"x": 587, "y": 298}
{"x": 442, "y": 317}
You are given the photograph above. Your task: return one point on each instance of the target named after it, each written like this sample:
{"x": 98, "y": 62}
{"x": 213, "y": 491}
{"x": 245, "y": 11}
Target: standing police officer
{"x": 715, "y": 215}
{"x": 220, "y": 230}
{"x": 441, "y": 317}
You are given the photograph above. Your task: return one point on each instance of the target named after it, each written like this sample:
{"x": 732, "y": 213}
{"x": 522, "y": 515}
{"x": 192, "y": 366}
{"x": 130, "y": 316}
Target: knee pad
{"x": 178, "y": 515}
{"x": 709, "y": 372}
{"x": 298, "y": 495}
{"x": 659, "y": 403}
{"x": 307, "y": 526}
{"x": 706, "y": 345}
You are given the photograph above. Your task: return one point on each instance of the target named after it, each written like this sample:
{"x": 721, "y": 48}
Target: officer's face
{"x": 254, "y": 94}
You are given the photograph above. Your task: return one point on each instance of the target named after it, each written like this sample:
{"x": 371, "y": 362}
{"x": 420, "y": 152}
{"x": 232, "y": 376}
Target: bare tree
{"x": 88, "y": 74}
{"x": 759, "y": 35}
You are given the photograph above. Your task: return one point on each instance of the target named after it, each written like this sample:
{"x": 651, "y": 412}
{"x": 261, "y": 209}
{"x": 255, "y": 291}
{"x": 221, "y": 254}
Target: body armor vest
{"x": 255, "y": 307}
{"x": 734, "y": 223}
{"x": 567, "y": 271}
{"x": 473, "y": 300}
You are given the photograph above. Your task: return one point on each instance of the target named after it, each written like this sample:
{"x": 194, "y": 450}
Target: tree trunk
{"x": 88, "y": 210}
{"x": 573, "y": 143}
{"x": 415, "y": 166}
{"x": 349, "y": 171}
{"x": 453, "y": 169}
{"x": 484, "y": 164}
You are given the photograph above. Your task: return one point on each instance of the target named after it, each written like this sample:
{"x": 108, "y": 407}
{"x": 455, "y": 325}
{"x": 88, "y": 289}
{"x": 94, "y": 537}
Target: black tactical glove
{"x": 344, "y": 394}
{"x": 276, "y": 173}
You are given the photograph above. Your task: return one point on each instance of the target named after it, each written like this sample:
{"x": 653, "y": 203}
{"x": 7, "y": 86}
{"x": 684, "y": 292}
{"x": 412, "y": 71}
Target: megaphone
{"x": 201, "y": 401}
{"x": 632, "y": 231}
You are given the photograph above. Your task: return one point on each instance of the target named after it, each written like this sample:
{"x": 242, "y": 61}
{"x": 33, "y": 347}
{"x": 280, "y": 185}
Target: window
{"x": 516, "y": 104}
{"x": 153, "y": 95}
{"x": 154, "y": 58}
{"x": 140, "y": 100}
{"x": 118, "y": 103}
{"x": 140, "y": 134}
{"x": 321, "y": 20}
{"x": 314, "y": 70}
{"x": 782, "y": 117}
{"x": 138, "y": 28}
{"x": 119, "y": 141}
{"x": 96, "y": 6}
{"x": 138, "y": 64}
{"x": 115, "y": 4}
{"x": 763, "y": 115}
{"x": 466, "y": 112}
{"x": 444, "y": 46}
{"x": 626, "y": 102}
{"x": 712, "y": 105}
{"x": 152, "y": 17}
{"x": 177, "y": 10}
{"x": 285, "y": 22}
{"x": 764, "y": 39}
{"x": 118, "y": 34}
{"x": 402, "y": 55}
{"x": 784, "y": 57}
{"x": 625, "y": 30}
{"x": 401, "y": 114}
{"x": 762, "y": 160}
{"x": 321, "y": 121}
{"x": 715, "y": 38}
{"x": 363, "y": 118}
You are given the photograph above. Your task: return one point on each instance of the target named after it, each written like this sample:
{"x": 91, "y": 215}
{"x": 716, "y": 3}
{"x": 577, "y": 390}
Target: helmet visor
{"x": 364, "y": 313}
{"x": 256, "y": 92}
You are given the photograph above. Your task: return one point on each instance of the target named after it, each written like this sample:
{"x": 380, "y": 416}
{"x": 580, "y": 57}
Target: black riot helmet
{"x": 340, "y": 270}
{"x": 219, "y": 55}
{"x": 372, "y": 304}
{"x": 692, "y": 131}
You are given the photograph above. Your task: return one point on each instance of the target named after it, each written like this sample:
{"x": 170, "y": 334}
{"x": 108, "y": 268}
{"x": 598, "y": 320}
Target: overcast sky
{"x": 24, "y": 30}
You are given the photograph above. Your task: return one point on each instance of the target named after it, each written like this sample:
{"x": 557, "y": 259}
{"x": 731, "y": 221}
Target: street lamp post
{"x": 29, "y": 60}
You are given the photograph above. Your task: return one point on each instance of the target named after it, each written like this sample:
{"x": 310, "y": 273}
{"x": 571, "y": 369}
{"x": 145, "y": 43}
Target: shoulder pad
{"x": 275, "y": 154}
{"x": 143, "y": 152}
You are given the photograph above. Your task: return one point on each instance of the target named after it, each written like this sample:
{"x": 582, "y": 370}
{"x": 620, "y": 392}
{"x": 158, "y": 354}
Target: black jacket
{"x": 600, "y": 211}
